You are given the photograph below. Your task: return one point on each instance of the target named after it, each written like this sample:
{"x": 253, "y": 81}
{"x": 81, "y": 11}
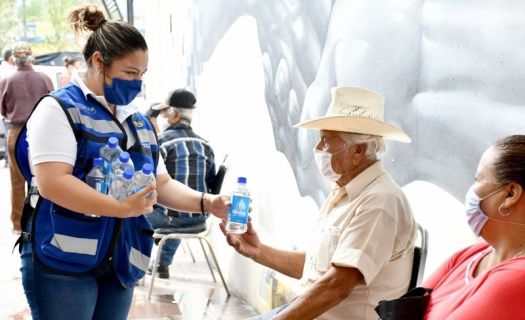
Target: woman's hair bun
{"x": 86, "y": 18}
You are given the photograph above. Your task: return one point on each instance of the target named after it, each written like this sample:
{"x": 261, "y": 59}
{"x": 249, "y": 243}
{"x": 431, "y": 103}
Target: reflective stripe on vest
{"x": 138, "y": 259}
{"x": 74, "y": 244}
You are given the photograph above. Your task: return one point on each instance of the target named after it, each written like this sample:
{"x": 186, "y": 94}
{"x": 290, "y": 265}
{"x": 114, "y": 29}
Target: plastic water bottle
{"x": 120, "y": 188}
{"x": 96, "y": 178}
{"x": 110, "y": 152}
{"x": 143, "y": 178}
{"x": 119, "y": 165}
{"x": 239, "y": 209}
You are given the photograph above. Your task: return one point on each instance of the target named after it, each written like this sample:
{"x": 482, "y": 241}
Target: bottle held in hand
{"x": 121, "y": 186}
{"x": 143, "y": 178}
{"x": 239, "y": 209}
{"x": 110, "y": 152}
{"x": 120, "y": 164}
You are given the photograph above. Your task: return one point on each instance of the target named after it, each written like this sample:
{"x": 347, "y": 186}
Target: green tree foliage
{"x": 7, "y": 22}
{"x": 44, "y": 23}
{"x": 58, "y": 10}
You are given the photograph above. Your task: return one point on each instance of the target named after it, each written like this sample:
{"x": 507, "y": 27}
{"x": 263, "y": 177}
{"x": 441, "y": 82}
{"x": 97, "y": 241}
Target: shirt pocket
{"x": 328, "y": 244}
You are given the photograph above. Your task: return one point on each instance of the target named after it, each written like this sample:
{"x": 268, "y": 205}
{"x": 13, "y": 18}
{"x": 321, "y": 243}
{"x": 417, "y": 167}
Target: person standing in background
{"x": 19, "y": 93}
{"x": 7, "y": 68}
{"x": 72, "y": 64}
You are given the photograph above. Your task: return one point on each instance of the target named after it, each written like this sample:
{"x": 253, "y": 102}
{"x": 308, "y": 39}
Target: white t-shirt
{"x": 367, "y": 225}
{"x": 51, "y": 138}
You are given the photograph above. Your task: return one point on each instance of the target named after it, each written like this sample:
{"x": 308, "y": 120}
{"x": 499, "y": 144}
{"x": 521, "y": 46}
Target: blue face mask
{"x": 121, "y": 92}
{"x": 476, "y": 218}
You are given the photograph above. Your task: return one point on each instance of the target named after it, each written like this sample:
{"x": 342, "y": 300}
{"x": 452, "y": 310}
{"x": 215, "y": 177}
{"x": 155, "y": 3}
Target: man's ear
{"x": 175, "y": 116}
{"x": 360, "y": 151}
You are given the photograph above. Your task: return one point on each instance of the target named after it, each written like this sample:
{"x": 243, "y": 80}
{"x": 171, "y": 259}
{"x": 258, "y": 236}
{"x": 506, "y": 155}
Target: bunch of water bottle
{"x": 114, "y": 173}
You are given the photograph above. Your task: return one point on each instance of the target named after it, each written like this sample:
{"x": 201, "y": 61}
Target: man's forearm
{"x": 324, "y": 294}
{"x": 290, "y": 263}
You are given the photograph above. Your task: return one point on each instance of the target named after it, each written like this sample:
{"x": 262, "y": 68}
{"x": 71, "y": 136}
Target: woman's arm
{"x": 177, "y": 196}
{"x": 57, "y": 184}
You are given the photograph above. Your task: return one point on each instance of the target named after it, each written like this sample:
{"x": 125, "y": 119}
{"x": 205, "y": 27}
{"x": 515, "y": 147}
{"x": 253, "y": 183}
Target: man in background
{"x": 19, "y": 93}
{"x": 6, "y": 69}
{"x": 189, "y": 159}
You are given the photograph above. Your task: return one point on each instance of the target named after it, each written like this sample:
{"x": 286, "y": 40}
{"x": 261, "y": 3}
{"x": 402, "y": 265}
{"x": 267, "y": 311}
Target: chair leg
{"x": 217, "y": 266}
{"x": 154, "y": 268}
{"x": 186, "y": 245}
{"x": 207, "y": 260}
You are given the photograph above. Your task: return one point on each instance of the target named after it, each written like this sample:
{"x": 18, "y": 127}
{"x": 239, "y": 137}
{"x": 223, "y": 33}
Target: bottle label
{"x": 100, "y": 186}
{"x": 239, "y": 210}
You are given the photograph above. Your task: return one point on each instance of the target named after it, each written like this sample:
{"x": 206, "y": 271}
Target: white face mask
{"x": 323, "y": 160}
{"x": 163, "y": 123}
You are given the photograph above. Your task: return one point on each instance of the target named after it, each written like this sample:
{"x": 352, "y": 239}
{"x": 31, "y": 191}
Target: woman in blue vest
{"x": 82, "y": 250}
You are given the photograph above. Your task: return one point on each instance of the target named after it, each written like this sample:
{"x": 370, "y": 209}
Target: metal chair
{"x": 199, "y": 232}
{"x": 420, "y": 258}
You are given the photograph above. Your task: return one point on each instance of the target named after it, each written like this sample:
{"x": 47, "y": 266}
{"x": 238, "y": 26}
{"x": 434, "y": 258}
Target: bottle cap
{"x": 147, "y": 168}
{"x": 128, "y": 173}
{"x": 241, "y": 180}
{"x": 113, "y": 142}
{"x": 124, "y": 157}
{"x": 98, "y": 162}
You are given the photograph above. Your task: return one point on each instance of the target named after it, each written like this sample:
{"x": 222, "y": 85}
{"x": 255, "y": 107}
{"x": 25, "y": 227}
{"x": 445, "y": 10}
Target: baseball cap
{"x": 180, "y": 98}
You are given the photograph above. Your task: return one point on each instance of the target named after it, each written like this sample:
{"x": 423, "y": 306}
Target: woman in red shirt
{"x": 487, "y": 280}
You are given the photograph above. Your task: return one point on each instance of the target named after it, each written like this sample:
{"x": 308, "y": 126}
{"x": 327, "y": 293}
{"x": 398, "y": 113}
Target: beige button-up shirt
{"x": 367, "y": 225}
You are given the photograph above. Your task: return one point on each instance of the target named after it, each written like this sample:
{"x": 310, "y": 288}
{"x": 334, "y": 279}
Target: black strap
{"x": 24, "y": 237}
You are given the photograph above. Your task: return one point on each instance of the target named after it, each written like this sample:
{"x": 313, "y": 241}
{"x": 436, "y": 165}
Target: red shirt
{"x": 498, "y": 293}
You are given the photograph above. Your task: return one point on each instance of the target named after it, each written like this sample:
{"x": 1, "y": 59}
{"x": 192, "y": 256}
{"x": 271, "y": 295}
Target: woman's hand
{"x": 139, "y": 203}
{"x": 218, "y": 205}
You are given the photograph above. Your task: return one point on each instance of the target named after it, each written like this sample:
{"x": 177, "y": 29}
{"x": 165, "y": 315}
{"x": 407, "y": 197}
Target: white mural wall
{"x": 449, "y": 71}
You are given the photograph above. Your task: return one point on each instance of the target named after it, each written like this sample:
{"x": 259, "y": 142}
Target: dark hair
{"x": 509, "y": 165}
{"x": 7, "y": 54}
{"x": 114, "y": 39}
{"x": 69, "y": 61}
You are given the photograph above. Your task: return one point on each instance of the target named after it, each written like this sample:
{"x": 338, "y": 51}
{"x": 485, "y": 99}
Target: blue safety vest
{"x": 72, "y": 243}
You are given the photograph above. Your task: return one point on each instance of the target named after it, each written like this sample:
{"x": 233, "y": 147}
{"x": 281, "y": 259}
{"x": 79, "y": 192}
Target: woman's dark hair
{"x": 509, "y": 165}
{"x": 69, "y": 61}
{"x": 114, "y": 39}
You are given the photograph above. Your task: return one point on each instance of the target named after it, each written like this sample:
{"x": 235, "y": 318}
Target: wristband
{"x": 202, "y": 203}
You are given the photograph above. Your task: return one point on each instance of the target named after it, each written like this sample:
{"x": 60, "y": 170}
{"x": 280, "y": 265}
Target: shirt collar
{"x": 359, "y": 183}
{"x": 178, "y": 126}
{"x": 123, "y": 112}
{"x": 24, "y": 67}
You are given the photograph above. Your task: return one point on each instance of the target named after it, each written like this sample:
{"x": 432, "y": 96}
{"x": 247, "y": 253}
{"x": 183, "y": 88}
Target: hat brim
{"x": 356, "y": 125}
{"x": 160, "y": 106}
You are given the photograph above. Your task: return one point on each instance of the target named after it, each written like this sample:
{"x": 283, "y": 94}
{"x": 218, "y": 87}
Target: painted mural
{"x": 444, "y": 77}
{"x": 450, "y": 71}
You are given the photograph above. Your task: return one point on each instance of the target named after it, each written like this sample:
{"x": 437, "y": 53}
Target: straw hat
{"x": 356, "y": 110}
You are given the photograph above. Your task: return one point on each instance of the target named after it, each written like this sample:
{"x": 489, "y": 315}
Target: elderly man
{"x": 19, "y": 93}
{"x": 362, "y": 249}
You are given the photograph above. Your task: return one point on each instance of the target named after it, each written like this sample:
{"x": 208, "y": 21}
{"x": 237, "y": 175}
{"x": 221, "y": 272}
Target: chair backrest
{"x": 420, "y": 258}
{"x": 221, "y": 172}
